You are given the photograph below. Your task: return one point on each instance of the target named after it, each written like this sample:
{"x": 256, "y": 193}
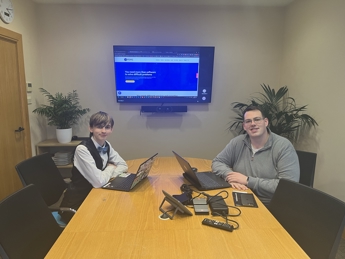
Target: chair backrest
{"x": 313, "y": 218}
{"x": 307, "y": 163}
{"x": 27, "y": 227}
{"x": 41, "y": 171}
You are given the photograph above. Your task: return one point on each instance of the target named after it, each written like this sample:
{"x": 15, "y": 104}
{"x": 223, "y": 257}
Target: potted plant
{"x": 63, "y": 111}
{"x": 284, "y": 116}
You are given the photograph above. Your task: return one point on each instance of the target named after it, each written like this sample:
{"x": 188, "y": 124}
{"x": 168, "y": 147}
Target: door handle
{"x": 19, "y": 129}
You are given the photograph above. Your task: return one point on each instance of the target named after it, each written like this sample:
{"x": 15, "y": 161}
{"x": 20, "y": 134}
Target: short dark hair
{"x": 101, "y": 119}
{"x": 254, "y": 108}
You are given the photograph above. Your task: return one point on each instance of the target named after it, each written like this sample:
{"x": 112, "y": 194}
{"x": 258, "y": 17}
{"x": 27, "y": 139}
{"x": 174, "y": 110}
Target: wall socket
{"x": 29, "y": 87}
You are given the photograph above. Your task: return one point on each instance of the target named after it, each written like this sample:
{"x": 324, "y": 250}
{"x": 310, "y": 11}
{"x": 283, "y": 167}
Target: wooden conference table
{"x": 115, "y": 224}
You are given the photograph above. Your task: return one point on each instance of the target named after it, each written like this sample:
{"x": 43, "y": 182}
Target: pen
{"x": 239, "y": 192}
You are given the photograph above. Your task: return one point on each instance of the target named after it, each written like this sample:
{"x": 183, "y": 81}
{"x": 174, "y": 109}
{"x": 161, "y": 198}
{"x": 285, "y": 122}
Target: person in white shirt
{"x": 95, "y": 162}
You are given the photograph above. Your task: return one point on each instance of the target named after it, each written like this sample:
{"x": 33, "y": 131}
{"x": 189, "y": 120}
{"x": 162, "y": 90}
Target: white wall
{"x": 302, "y": 46}
{"x": 77, "y": 54}
{"x": 313, "y": 68}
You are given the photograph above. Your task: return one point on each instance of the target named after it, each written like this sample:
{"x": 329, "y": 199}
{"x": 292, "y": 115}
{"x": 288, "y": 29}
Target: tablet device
{"x": 244, "y": 199}
{"x": 176, "y": 204}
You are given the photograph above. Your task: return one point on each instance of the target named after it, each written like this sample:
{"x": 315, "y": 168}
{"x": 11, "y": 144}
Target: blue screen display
{"x": 161, "y": 74}
{"x": 157, "y": 76}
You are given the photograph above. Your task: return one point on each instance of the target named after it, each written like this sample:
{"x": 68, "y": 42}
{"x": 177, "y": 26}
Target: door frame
{"x": 17, "y": 39}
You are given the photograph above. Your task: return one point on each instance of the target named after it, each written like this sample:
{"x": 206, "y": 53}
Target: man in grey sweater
{"x": 257, "y": 159}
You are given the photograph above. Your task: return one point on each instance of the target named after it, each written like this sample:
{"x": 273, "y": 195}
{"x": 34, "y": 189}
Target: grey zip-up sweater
{"x": 276, "y": 160}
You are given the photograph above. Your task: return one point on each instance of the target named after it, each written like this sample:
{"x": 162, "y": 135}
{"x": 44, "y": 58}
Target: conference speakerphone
{"x": 163, "y": 109}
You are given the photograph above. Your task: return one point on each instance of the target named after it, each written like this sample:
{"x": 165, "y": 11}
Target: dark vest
{"x": 79, "y": 187}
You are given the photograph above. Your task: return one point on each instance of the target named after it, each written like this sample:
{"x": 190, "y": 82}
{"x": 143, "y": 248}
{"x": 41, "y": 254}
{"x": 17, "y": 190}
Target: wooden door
{"x": 15, "y": 143}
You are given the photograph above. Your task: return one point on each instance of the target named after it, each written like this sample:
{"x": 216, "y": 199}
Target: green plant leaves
{"x": 284, "y": 116}
{"x": 63, "y": 111}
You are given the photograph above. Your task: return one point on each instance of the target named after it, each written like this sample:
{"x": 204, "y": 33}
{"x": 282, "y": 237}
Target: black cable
{"x": 197, "y": 196}
{"x": 210, "y": 197}
{"x": 234, "y": 215}
{"x": 227, "y": 220}
{"x": 187, "y": 189}
{"x": 217, "y": 195}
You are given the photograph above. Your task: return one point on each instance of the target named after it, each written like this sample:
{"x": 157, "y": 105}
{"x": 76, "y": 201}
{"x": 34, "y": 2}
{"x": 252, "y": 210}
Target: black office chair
{"x": 27, "y": 227}
{"x": 41, "y": 171}
{"x": 313, "y": 218}
{"x": 307, "y": 163}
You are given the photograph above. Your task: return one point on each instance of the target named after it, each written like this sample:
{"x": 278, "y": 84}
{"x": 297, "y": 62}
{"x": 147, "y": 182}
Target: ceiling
{"x": 174, "y": 2}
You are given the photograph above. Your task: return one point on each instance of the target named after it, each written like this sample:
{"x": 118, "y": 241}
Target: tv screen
{"x": 163, "y": 74}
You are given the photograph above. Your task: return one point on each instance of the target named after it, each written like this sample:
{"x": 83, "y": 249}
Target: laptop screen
{"x": 143, "y": 170}
{"x": 186, "y": 167}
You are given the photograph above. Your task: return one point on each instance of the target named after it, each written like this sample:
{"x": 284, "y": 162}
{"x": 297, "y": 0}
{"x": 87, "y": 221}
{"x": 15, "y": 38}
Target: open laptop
{"x": 202, "y": 180}
{"x": 127, "y": 181}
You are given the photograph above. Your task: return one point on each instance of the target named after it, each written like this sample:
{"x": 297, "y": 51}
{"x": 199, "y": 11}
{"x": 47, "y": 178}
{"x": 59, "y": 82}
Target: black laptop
{"x": 202, "y": 180}
{"x": 127, "y": 181}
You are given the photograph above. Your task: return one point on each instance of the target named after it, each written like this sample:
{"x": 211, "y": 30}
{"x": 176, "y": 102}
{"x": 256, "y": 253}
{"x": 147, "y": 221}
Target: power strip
{"x": 218, "y": 206}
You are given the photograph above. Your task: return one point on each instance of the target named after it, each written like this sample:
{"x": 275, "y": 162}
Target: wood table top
{"x": 115, "y": 224}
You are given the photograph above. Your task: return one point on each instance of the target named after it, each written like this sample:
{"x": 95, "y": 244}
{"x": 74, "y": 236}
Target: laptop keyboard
{"x": 126, "y": 183}
{"x": 206, "y": 180}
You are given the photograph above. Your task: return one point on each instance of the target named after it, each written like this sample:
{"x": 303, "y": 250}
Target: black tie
{"x": 103, "y": 149}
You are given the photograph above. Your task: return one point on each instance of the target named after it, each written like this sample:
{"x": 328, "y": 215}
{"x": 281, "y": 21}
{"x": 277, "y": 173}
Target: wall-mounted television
{"x": 163, "y": 74}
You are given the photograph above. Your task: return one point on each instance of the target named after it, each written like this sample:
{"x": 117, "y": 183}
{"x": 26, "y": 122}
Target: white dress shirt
{"x": 86, "y": 165}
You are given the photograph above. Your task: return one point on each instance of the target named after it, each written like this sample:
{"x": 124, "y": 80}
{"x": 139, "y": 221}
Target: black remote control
{"x": 217, "y": 224}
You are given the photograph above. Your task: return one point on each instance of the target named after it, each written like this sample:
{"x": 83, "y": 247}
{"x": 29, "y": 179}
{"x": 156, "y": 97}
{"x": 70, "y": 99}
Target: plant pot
{"x": 64, "y": 135}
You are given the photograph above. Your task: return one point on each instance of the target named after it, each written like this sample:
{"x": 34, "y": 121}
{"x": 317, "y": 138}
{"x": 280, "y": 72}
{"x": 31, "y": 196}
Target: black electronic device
{"x": 186, "y": 188}
{"x": 187, "y": 192}
{"x": 201, "y": 180}
{"x": 200, "y": 206}
{"x": 127, "y": 181}
{"x": 184, "y": 198}
{"x": 163, "y": 74}
{"x": 244, "y": 199}
{"x": 176, "y": 204}
{"x": 218, "y": 206}
{"x": 217, "y": 224}
{"x": 163, "y": 109}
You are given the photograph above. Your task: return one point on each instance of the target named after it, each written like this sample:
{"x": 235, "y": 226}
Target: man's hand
{"x": 235, "y": 177}
{"x": 239, "y": 186}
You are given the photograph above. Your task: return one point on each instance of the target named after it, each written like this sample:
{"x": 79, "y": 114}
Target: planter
{"x": 64, "y": 135}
